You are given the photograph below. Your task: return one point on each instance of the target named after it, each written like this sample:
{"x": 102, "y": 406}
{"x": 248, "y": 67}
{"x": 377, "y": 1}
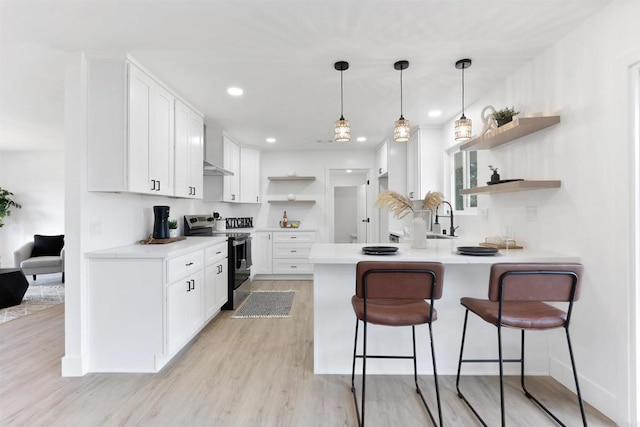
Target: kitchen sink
{"x": 439, "y": 236}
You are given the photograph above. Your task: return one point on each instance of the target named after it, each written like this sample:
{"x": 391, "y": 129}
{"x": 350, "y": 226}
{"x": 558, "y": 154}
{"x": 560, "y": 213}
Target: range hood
{"x": 212, "y": 148}
{"x": 213, "y": 170}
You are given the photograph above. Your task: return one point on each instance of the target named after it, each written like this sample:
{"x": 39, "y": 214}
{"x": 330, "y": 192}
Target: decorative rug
{"x": 37, "y": 297}
{"x": 265, "y": 304}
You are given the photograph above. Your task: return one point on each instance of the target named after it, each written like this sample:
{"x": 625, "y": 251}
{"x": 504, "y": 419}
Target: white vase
{"x": 173, "y": 232}
{"x": 421, "y": 218}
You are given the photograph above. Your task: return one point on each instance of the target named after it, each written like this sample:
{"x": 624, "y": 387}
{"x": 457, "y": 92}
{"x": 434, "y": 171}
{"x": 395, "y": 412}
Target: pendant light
{"x": 462, "y": 129}
{"x": 342, "y": 131}
{"x": 402, "y": 127}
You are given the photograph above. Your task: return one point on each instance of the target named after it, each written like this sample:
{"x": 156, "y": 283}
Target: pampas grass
{"x": 400, "y": 206}
{"x": 432, "y": 200}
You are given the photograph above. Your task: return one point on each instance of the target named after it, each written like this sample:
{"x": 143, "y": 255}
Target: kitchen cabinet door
{"x": 161, "y": 123}
{"x": 231, "y": 159}
{"x": 424, "y": 164}
{"x": 381, "y": 160}
{"x": 140, "y": 87}
{"x": 184, "y": 310}
{"x": 151, "y": 121}
{"x": 176, "y": 320}
{"x": 216, "y": 287}
{"x": 249, "y": 175}
{"x": 261, "y": 253}
{"x": 194, "y": 317}
{"x": 188, "y": 158}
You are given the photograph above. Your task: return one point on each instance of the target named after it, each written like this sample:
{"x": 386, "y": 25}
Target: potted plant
{"x": 173, "y": 228}
{"x": 505, "y": 115}
{"x": 6, "y": 203}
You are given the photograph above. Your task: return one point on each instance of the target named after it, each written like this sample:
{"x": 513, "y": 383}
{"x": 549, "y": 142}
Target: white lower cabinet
{"x": 145, "y": 305}
{"x": 216, "y": 275}
{"x": 291, "y": 252}
{"x": 184, "y": 310}
{"x": 261, "y": 253}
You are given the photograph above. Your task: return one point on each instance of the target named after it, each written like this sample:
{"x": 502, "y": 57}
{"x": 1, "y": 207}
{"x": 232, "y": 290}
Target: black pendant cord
{"x": 401, "y": 115}
{"x": 463, "y": 91}
{"x": 341, "y": 98}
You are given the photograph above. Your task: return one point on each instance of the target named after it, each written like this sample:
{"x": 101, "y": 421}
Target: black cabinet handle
{"x": 187, "y": 265}
{"x": 188, "y": 286}
{"x": 153, "y": 185}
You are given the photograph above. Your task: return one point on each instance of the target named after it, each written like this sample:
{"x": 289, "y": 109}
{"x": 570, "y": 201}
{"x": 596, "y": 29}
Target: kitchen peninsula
{"x": 334, "y": 320}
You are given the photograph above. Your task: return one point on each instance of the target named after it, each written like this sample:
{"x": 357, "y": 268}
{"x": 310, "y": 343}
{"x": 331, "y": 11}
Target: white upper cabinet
{"x": 424, "y": 164}
{"x": 244, "y": 162}
{"x": 131, "y": 132}
{"x": 188, "y": 152}
{"x": 249, "y": 175}
{"x": 231, "y": 161}
{"x": 382, "y": 160}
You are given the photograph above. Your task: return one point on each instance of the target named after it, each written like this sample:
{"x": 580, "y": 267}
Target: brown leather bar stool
{"x": 394, "y": 294}
{"x": 517, "y": 295}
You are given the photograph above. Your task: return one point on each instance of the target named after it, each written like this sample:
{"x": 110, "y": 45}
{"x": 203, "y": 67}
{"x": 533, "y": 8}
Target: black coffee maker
{"x": 161, "y": 222}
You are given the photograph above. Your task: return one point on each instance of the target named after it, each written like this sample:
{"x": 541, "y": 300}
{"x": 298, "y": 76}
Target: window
{"x": 465, "y": 175}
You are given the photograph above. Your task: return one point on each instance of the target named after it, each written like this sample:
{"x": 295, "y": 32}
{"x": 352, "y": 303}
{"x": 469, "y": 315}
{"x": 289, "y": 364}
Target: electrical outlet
{"x": 531, "y": 213}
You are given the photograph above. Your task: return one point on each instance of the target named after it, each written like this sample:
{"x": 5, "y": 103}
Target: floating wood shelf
{"x": 292, "y": 178}
{"x": 512, "y": 187}
{"x": 513, "y": 130}
{"x": 292, "y": 201}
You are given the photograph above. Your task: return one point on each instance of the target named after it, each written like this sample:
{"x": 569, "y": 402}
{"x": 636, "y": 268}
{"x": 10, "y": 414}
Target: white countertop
{"x": 437, "y": 250}
{"x": 167, "y": 250}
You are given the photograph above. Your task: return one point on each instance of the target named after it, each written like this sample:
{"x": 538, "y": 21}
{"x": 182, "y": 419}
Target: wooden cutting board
{"x": 500, "y": 246}
{"x": 152, "y": 241}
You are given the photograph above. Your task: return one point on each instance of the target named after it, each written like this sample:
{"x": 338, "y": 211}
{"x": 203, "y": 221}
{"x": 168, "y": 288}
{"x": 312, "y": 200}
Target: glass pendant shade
{"x": 342, "y": 131}
{"x": 401, "y": 130}
{"x": 462, "y": 129}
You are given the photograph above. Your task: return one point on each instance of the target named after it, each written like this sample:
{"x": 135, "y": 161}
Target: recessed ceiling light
{"x": 361, "y": 139}
{"x": 235, "y": 91}
{"x": 270, "y": 140}
{"x": 435, "y": 113}
{"x": 348, "y": 170}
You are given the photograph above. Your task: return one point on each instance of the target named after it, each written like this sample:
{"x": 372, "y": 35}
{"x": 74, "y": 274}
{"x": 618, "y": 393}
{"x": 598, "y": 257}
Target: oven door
{"x": 242, "y": 262}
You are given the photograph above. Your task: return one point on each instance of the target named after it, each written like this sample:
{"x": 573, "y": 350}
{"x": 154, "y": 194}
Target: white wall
{"x": 585, "y": 79}
{"x": 37, "y": 181}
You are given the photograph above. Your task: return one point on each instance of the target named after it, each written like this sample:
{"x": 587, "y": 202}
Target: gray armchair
{"x": 39, "y": 256}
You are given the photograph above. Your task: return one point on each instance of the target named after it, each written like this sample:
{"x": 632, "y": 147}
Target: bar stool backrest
{"x": 535, "y": 282}
{"x": 399, "y": 280}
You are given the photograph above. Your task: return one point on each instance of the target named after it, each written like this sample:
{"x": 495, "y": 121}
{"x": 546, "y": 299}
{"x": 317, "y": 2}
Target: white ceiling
{"x": 282, "y": 54}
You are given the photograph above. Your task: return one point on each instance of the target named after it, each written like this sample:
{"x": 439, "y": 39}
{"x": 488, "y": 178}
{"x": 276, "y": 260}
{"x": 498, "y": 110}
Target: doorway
{"x": 350, "y": 222}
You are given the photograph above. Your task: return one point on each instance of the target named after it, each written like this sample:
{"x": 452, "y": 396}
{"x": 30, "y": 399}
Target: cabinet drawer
{"x": 284, "y": 266}
{"x": 183, "y": 266}
{"x": 294, "y": 236}
{"x": 215, "y": 253}
{"x": 291, "y": 250}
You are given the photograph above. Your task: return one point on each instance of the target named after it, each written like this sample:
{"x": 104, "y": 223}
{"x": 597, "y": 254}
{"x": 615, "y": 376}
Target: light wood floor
{"x": 237, "y": 372}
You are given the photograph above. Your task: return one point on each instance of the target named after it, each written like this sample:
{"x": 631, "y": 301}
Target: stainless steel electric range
{"x": 239, "y": 260}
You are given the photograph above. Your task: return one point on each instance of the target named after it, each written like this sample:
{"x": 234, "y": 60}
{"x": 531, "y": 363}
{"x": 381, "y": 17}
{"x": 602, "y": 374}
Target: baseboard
{"x": 601, "y": 399}
{"x": 74, "y": 366}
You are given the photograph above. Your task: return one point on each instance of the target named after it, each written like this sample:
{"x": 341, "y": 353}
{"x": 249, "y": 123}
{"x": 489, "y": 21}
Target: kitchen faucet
{"x": 452, "y": 229}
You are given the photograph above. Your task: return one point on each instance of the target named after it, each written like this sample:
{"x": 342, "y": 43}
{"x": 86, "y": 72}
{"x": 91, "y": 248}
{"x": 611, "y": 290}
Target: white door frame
{"x": 635, "y": 233}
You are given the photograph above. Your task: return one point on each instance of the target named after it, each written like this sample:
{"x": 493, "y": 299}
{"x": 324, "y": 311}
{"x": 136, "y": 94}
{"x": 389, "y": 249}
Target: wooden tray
{"x": 152, "y": 241}
{"x": 500, "y": 246}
